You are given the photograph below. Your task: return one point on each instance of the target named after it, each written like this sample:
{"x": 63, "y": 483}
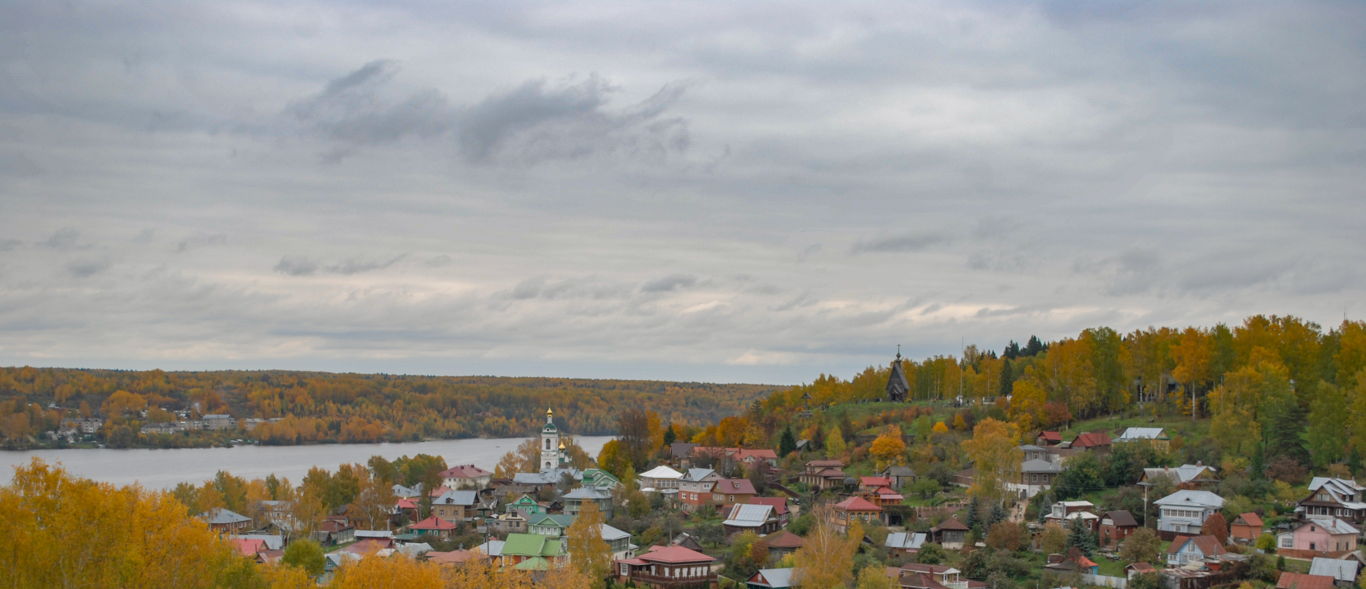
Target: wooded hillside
{"x": 320, "y": 407}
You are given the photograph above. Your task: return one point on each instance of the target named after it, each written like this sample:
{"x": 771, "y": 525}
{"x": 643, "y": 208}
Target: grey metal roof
{"x": 222, "y": 516}
{"x": 1040, "y": 466}
{"x": 587, "y": 493}
{"x": 1340, "y": 569}
{"x": 610, "y": 533}
{"x": 777, "y": 577}
{"x": 747, "y": 516}
{"x": 466, "y": 498}
{"x": 905, "y": 540}
{"x": 1192, "y": 498}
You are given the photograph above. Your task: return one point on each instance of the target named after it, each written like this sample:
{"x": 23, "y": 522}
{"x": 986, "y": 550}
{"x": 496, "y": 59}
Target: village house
{"x": 618, "y": 542}
{"x": 1344, "y": 571}
{"x": 508, "y": 523}
{"x": 1115, "y": 526}
{"x": 1036, "y": 475}
{"x": 931, "y": 576}
{"x": 1184, "y": 512}
{"x": 1074, "y": 561}
{"x": 552, "y": 525}
{"x": 574, "y": 500}
{"x": 433, "y": 527}
{"x": 1332, "y": 497}
{"x": 465, "y": 476}
{"x": 779, "y": 505}
{"x": 455, "y": 506}
{"x": 659, "y": 478}
{"x": 1048, "y": 438}
{"x": 725, "y": 458}
{"x": 526, "y": 506}
{"x": 1186, "y": 549}
{"x": 1154, "y": 436}
{"x": 532, "y": 551}
{"x": 884, "y": 497}
{"x": 772, "y": 579}
{"x": 742, "y": 517}
{"x": 1062, "y": 513}
{"x": 1186, "y": 476}
{"x": 731, "y": 491}
{"x": 950, "y": 533}
{"x": 694, "y": 489}
{"x": 334, "y": 530}
{"x": 666, "y": 567}
{"x": 905, "y": 543}
{"x": 821, "y": 475}
{"x": 900, "y": 476}
{"x": 782, "y": 543}
{"x": 224, "y": 521}
{"x": 1246, "y": 528}
{"x": 1092, "y": 441}
{"x": 846, "y": 512}
{"x": 1326, "y": 536}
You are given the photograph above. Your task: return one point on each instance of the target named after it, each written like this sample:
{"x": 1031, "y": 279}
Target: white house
{"x": 659, "y": 478}
{"x": 1185, "y": 511}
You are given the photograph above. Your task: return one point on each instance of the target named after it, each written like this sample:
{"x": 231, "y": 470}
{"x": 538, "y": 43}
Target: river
{"x": 162, "y": 469}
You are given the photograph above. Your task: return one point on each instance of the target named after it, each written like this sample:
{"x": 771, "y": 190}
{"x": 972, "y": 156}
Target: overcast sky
{"x": 729, "y": 191}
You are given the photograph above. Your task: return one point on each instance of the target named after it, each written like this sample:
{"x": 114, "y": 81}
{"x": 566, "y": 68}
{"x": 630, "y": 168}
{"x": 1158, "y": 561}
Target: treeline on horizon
{"x": 1273, "y": 387}
{"x": 311, "y": 407}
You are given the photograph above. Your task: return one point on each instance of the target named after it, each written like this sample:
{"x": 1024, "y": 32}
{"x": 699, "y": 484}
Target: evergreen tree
{"x": 787, "y": 443}
{"x": 998, "y": 514}
{"x": 1080, "y": 536}
{"x": 974, "y": 519}
{"x": 669, "y": 436}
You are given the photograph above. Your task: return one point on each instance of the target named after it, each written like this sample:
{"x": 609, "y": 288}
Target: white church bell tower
{"x": 550, "y": 443}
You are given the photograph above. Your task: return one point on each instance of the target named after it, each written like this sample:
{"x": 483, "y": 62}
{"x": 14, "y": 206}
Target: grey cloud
{"x": 587, "y": 287}
{"x": 357, "y": 109}
{"x": 537, "y": 121}
{"x": 899, "y": 244}
{"x": 304, "y": 266}
{"x": 65, "y": 239}
{"x": 9, "y": 244}
{"x": 200, "y": 240}
{"x": 87, "y": 268}
{"x": 669, "y": 283}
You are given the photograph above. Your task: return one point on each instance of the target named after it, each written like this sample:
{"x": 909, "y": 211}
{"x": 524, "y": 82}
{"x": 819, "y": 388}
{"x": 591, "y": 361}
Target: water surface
{"x": 162, "y": 469}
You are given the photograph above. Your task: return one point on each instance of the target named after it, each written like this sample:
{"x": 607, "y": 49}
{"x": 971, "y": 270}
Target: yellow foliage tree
{"x": 826, "y": 558}
{"x": 69, "y": 532}
{"x": 588, "y": 552}
{"x": 940, "y": 428}
{"x": 995, "y": 456}
{"x": 888, "y": 449}
{"x": 399, "y": 572}
{"x": 834, "y": 443}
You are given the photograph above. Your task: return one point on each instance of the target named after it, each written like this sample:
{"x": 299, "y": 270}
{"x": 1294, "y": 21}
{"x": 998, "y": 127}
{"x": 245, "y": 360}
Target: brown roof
{"x": 783, "y": 539}
{"x": 1290, "y": 580}
{"x": 1122, "y": 518}
{"x": 1248, "y": 519}
{"x": 673, "y": 555}
{"x": 858, "y": 504}
{"x": 949, "y": 525}
{"x": 734, "y": 487}
{"x": 1091, "y": 440}
{"x": 1141, "y": 567}
{"x": 1208, "y": 545}
{"x": 816, "y": 463}
{"x": 779, "y": 504}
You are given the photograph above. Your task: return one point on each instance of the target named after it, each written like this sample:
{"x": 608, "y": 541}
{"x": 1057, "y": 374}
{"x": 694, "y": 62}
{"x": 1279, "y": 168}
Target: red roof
{"x": 783, "y": 539}
{"x": 1051, "y": 436}
{"x": 249, "y": 546}
{"x": 406, "y": 504}
{"x": 464, "y": 471}
{"x": 369, "y": 545}
{"x": 1302, "y": 581}
{"x": 874, "y": 482}
{"x": 433, "y": 523}
{"x": 1091, "y": 440}
{"x": 673, "y": 555}
{"x": 734, "y": 487}
{"x": 1248, "y": 519}
{"x": 779, "y": 504}
{"x": 761, "y": 453}
{"x": 857, "y": 504}
{"x": 439, "y": 491}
